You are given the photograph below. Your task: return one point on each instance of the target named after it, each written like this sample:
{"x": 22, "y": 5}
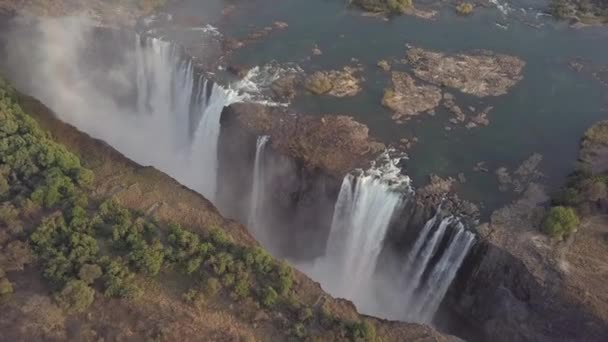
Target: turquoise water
{"x": 546, "y": 113}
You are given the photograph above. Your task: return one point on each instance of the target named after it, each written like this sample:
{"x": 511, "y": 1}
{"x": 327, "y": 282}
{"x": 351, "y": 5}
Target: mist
{"x": 145, "y": 98}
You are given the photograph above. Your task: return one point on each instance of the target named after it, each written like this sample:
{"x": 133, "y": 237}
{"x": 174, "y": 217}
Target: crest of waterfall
{"x": 424, "y": 284}
{"x": 363, "y": 212}
{"x": 256, "y": 210}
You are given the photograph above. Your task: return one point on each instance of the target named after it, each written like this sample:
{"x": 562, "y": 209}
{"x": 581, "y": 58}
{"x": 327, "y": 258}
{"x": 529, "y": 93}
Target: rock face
{"x": 338, "y": 83}
{"x": 335, "y": 144}
{"x": 539, "y": 290}
{"x": 481, "y": 74}
{"x": 407, "y": 98}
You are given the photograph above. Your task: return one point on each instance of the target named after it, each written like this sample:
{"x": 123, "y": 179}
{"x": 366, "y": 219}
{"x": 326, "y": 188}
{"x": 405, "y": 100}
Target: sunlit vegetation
{"x": 561, "y": 222}
{"x": 87, "y": 249}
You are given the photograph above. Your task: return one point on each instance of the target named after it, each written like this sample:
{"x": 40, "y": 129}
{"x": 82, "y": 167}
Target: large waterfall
{"x": 362, "y": 215}
{"x": 144, "y": 98}
{"x": 364, "y": 210}
{"x": 256, "y": 210}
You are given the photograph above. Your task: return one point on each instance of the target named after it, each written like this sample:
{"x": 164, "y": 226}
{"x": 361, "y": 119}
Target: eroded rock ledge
{"x": 408, "y": 98}
{"x": 334, "y": 144}
{"x": 481, "y": 74}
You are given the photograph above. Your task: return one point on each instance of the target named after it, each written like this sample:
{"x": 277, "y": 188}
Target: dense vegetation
{"x": 586, "y": 190}
{"x": 86, "y": 249}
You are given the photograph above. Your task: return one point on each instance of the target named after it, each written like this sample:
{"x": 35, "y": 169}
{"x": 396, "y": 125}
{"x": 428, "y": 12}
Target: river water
{"x": 545, "y": 113}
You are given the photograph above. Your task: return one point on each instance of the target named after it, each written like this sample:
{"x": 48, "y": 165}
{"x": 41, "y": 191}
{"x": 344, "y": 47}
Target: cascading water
{"x": 363, "y": 211}
{"x": 147, "y": 100}
{"x": 256, "y": 211}
{"x": 422, "y": 296}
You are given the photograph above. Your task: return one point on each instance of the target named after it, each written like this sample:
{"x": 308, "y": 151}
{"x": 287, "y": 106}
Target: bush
{"x": 269, "y": 297}
{"x": 212, "y": 287}
{"x": 299, "y": 331}
{"x": 561, "y": 222}
{"x": 89, "y": 273}
{"x": 148, "y": 258}
{"x": 285, "y": 279}
{"x": 119, "y": 281}
{"x": 6, "y": 287}
{"x": 364, "y": 331}
{"x": 76, "y": 296}
{"x": 464, "y": 8}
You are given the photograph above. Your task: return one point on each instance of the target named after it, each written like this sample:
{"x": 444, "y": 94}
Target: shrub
{"x": 299, "y": 330}
{"x": 148, "y": 258}
{"x": 76, "y": 296}
{"x": 361, "y": 331}
{"x": 561, "y": 222}
{"x": 6, "y": 287}
{"x": 464, "y": 8}
{"x": 212, "y": 287}
{"x": 89, "y": 273}
{"x": 269, "y": 297}
{"x": 305, "y": 314}
{"x": 285, "y": 279}
{"x": 241, "y": 288}
{"x": 119, "y": 281}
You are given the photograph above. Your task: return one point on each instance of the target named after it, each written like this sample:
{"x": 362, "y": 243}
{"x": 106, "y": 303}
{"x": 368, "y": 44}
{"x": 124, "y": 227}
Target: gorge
{"x": 323, "y": 192}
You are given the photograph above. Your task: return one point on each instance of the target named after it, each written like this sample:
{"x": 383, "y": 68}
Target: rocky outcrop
{"x": 408, "y": 98}
{"x": 594, "y": 148}
{"x": 539, "y": 289}
{"x": 338, "y": 83}
{"x": 335, "y": 144}
{"x": 481, "y": 74}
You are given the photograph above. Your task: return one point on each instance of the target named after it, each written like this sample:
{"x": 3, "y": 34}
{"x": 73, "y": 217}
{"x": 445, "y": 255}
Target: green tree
{"x": 269, "y": 297}
{"x": 76, "y": 296}
{"x": 561, "y": 222}
{"x": 89, "y": 273}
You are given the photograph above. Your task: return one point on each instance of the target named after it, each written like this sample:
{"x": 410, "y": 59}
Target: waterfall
{"x": 256, "y": 211}
{"x": 422, "y": 296}
{"x": 363, "y": 211}
{"x": 169, "y": 93}
{"x": 144, "y": 98}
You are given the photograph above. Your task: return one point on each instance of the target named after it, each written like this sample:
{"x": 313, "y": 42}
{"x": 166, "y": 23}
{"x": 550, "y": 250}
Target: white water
{"x": 362, "y": 214}
{"x": 422, "y": 296}
{"x": 256, "y": 208}
{"x": 173, "y": 124}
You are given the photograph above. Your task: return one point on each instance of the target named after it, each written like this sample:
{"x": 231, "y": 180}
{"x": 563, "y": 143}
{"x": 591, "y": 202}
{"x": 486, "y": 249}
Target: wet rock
{"x": 407, "y": 98}
{"x": 525, "y": 174}
{"x": 450, "y": 105}
{"x": 480, "y": 119}
{"x": 316, "y": 51}
{"x": 462, "y": 178}
{"x": 338, "y": 83}
{"x": 481, "y": 74}
{"x": 281, "y": 25}
{"x": 238, "y": 70}
{"x": 285, "y": 87}
{"x": 480, "y": 167}
{"x": 335, "y": 144}
{"x": 384, "y": 65}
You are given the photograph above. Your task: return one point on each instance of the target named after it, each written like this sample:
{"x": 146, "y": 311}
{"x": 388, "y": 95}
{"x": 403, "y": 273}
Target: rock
{"x": 316, "y": 51}
{"x": 594, "y": 148}
{"x": 470, "y": 125}
{"x": 384, "y": 65}
{"x": 281, "y": 25}
{"x": 480, "y": 167}
{"x": 504, "y": 179}
{"x": 481, "y": 118}
{"x": 284, "y": 88}
{"x": 450, "y": 105}
{"x": 576, "y": 64}
{"x": 462, "y": 178}
{"x": 407, "y": 98}
{"x": 482, "y": 74}
{"x": 238, "y": 70}
{"x": 338, "y": 83}
{"x": 336, "y": 144}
